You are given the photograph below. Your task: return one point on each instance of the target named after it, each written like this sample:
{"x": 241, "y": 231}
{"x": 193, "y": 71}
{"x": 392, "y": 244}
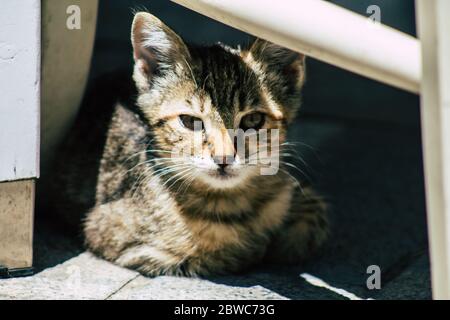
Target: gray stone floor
{"x": 371, "y": 174}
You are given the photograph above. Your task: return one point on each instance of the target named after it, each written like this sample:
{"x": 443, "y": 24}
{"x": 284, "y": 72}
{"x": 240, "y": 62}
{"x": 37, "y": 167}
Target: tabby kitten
{"x": 205, "y": 211}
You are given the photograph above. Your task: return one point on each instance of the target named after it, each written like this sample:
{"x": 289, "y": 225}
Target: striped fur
{"x": 143, "y": 215}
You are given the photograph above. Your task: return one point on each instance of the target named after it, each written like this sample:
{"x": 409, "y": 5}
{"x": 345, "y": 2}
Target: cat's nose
{"x": 223, "y": 162}
{"x": 226, "y": 160}
{"x": 222, "y": 168}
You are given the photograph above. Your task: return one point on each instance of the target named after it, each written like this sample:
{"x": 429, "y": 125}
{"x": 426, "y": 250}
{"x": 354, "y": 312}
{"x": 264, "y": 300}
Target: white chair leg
{"x": 434, "y": 31}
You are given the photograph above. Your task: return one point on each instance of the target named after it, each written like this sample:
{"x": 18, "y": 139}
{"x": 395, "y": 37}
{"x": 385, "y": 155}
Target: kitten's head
{"x": 196, "y": 97}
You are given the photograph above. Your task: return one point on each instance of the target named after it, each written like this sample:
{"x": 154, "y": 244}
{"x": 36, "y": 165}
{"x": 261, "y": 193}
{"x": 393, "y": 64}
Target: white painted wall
{"x": 19, "y": 88}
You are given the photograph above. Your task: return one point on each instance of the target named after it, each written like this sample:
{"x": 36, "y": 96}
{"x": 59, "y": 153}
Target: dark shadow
{"x": 53, "y": 244}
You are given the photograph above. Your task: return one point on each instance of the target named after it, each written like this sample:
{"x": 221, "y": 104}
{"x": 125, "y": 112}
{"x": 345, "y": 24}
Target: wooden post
{"x": 16, "y": 223}
{"x": 20, "y": 47}
{"x": 434, "y": 32}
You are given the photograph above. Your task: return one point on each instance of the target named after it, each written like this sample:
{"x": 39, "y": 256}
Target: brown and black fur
{"x": 107, "y": 170}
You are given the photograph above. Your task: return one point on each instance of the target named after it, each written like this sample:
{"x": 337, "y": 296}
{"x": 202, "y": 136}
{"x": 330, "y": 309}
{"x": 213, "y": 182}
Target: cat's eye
{"x": 254, "y": 120}
{"x": 191, "y": 123}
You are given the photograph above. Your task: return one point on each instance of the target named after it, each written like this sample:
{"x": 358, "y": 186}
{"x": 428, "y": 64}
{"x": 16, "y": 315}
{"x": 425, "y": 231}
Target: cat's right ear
{"x": 156, "y": 49}
{"x": 281, "y": 60}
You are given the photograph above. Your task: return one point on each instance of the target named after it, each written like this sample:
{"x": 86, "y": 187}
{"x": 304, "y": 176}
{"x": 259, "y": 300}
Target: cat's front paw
{"x": 152, "y": 262}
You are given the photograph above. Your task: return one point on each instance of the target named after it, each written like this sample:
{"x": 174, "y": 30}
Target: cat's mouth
{"x": 220, "y": 176}
{"x": 223, "y": 175}
{"x": 223, "y": 172}
{"x": 223, "y": 179}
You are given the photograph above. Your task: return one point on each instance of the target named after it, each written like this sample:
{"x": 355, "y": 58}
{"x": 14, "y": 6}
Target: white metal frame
{"x": 325, "y": 32}
{"x": 434, "y": 32}
{"x": 332, "y": 34}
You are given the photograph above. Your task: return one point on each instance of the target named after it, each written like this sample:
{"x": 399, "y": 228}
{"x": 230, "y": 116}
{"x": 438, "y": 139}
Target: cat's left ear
{"x": 279, "y": 59}
{"x": 156, "y": 49}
